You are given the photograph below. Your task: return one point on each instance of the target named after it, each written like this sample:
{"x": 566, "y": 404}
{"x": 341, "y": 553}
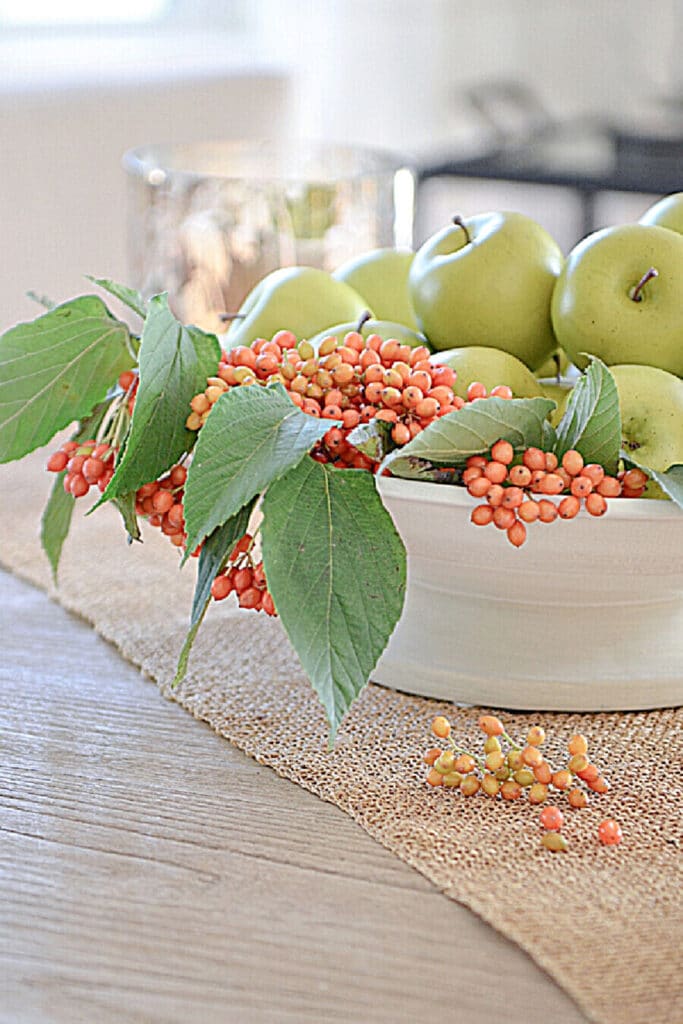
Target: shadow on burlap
{"x": 605, "y": 922}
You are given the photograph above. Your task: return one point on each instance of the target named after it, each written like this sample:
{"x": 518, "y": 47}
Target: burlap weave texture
{"x": 625, "y": 903}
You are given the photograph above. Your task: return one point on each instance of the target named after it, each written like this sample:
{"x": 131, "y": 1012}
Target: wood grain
{"x": 152, "y": 873}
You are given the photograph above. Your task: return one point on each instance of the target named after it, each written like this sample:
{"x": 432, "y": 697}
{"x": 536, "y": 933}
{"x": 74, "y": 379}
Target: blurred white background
{"x": 82, "y": 82}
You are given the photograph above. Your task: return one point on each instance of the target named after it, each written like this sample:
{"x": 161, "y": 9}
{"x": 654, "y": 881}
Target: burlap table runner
{"x": 605, "y": 922}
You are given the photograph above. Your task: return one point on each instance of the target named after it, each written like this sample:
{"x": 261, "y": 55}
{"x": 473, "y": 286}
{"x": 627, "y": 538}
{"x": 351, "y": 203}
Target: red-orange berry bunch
{"x": 128, "y": 382}
{"x": 246, "y": 578}
{"x": 510, "y": 773}
{"x": 86, "y": 464}
{"x": 161, "y": 504}
{"x": 519, "y": 491}
{"x": 353, "y": 381}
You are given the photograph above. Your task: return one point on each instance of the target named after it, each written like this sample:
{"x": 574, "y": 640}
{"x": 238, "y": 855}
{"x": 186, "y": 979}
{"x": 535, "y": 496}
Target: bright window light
{"x": 79, "y": 12}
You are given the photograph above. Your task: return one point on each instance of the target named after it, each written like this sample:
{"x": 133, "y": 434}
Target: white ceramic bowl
{"x": 587, "y": 615}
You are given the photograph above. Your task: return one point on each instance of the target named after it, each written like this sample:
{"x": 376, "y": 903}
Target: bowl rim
{"x": 425, "y": 492}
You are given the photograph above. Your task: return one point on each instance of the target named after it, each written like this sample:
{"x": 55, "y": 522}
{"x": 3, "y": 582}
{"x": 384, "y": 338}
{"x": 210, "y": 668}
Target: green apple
{"x": 559, "y": 391}
{"x": 488, "y": 280}
{"x": 555, "y": 366}
{"x": 381, "y": 277}
{"x": 491, "y": 367}
{"x": 385, "y": 328}
{"x": 667, "y": 213}
{"x": 651, "y": 406}
{"x": 303, "y": 300}
{"x": 620, "y": 297}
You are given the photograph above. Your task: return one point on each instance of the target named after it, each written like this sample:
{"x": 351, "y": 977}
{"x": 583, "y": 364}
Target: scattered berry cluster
{"x": 510, "y": 773}
{"x": 246, "y": 577}
{"x": 87, "y": 464}
{"x": 518, "y": 491}
{"x": 161, "y": 504}
{"x": 353, "y": 382}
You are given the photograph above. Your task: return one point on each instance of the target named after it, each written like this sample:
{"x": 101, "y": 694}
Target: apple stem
{"x": 226, "y": 317}
{"x": 635, "y": 293}
{"x": 460, "y": 223}
{"x": 363, "y": 319}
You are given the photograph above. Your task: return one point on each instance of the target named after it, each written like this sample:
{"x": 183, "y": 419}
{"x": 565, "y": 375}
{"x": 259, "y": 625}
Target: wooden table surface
{"x": 150, "y": 872}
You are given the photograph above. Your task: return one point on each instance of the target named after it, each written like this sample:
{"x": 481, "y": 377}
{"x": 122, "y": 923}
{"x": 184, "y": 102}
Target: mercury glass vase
{"x": 207, "y": 221}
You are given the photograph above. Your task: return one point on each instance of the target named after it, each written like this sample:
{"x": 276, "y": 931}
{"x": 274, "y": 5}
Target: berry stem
{"x": 636, "y": 291}
{"x": 363, "y": 319}
{"x": 461, "y": 750}
{"x": 509, "y": 739}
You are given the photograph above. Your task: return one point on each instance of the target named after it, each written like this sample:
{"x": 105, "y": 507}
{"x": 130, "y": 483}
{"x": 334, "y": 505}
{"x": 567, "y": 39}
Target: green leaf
{"x": 253, "y": 436}
{"x": 472, "y": 430}
{"x": 126, "y": 506}
{"x": 373, "y": 439}
{"x": 174, "y": 364}
{"x": 336, "y": 568}
{"x": 128, "y": 296}
{"x": 55, "y": 369}
{"x": 213, "y": 557}
{"x": 56, "y": 519}
{"x": 549, "y": 437}
{"x": 591, "y": 423}
{"x": 55, "y": 522}
{"x": 670, "y": 481}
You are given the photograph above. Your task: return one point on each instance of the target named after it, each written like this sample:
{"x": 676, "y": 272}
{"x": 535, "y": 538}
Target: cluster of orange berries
{"x": 518, "y": 492}
{"x": 246, "y": 577}
{"x": 352, "y": 382}
{"x": 161, "y": 504}
{"x": 509, "y": 774}
{"x": 86, "y": 464}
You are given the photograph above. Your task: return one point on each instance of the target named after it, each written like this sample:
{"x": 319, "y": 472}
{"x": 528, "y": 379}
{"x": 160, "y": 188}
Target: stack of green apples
{"x": 494, "y": 298}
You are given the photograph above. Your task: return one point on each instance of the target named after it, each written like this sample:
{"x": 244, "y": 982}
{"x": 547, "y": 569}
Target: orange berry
{"x": 569, "y": 507}
{"x": 596, "y": 504}
{"x": 496, "y": 472}
{"x": 609, "y": 832}
{"x": 635, "y": 479}
{"x": 503, "y": 518}
{"x": 490, "y": 785}
{"x": 547, "y": 512}
{"x": 495, "y": 760}
{"x": 515, "y": 759}
{"x": 495, "y": 495}
{"x": 598, "y": 785}
{"x": 434, "y": 778}
{"x": 543, "y": 773}
{"x": 510, "y": 790}
{"x": 475, "y": 390}
{"x": 588, "y": 774}
{"x": 446, "y": 762}
{"x": 524, "y": 776}
{"x": 581, "y": 486}
{"x": 551, "y": 818}
{"x": 491, "y": 743}
{"x": 57, "y": 462}
{"x": 442, "y": 375}
{"x": 562, "y": 779}
{"x": 551, "y": 461}
{"x": 554, "y": 842}
{"x": 513, "y": 497}
{"x": 528, "y": 511}
{"x": 451, "y": 780}
{"x": 441, "y": 727}
{"x": 534, "y": 458}
{"x": 572, "y": 462}
{"x": 531, "y": 756}
{"x": 477, "y": 461}
{"x": 520, "y": 476}
{"x": 400, "y": 433}
{"x": 535, "y": 737}
{"x": 609, "y": 487}
{"x": 516, "y": 534}
{"x": 578, "y": 744}
{"x": 469, "y": 785}
{"x": 465, "y": 763}
{"x": 552, "y": 484}
{"x": 538, "y": 793}
{"x": 220, "y": 588}
{"x": 577, "y": 798}
{"x": 78, "y": 485}
{"x": 491, "y": 725}
{"x": 577, "y": 763}
{"x": 432, "y": 755}
{"x": 501, "y": 391}
{"x": 502, "y": 451}
{"x": 482, "y": 515}
{"x": 594, "y": 472}
{"x": 537, "y": 478}
{"x": 479, "y": 486}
